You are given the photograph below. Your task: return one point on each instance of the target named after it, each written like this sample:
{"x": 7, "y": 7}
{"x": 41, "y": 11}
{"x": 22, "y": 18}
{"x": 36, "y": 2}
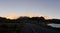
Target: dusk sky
{"x": 15, "y": 8}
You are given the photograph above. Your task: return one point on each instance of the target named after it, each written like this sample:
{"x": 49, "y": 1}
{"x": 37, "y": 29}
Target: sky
{"x": 10, "y": 8}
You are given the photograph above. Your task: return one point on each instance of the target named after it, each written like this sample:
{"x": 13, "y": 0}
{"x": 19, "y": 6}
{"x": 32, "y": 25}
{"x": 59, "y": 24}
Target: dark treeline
{"x": 29, "y": 20}
{"x": 13, "y": 24}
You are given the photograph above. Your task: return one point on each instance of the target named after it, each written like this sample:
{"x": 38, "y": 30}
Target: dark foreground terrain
{"x": 28, "y": 25}
{"x": 27, "y": 28}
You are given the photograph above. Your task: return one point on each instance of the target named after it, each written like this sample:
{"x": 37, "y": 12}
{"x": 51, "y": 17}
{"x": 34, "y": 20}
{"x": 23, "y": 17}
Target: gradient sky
{"x": 30, "y": 7}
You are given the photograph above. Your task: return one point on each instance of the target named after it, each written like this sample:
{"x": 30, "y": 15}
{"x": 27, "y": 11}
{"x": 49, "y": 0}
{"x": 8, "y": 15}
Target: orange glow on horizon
{"x": 47, "y": 17}
{"x": 11, "y": 17}
{"x": 28, "y": 15}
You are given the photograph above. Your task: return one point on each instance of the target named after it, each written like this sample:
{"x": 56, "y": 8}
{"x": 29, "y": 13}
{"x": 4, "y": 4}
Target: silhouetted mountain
{"x": 54, "y": 21}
